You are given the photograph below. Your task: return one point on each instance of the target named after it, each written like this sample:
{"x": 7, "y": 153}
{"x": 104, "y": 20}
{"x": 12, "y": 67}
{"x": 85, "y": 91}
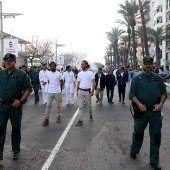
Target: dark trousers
{"x": 155, "y": 124}
{"x": 110, "y": 91}
{"x": 15, "y": 116}
{"x": 121, "y": 91}
{"x": 36, "y": 88}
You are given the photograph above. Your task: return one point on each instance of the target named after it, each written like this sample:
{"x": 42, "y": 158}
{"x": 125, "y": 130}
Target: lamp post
{"x": 5, "y": 15}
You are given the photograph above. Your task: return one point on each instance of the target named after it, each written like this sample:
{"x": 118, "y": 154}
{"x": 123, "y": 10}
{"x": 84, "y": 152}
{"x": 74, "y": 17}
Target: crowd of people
{"x": 140, "y": 85}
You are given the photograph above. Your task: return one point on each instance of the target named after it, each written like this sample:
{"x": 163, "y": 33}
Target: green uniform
{"x": 36, "y": 84}
{"x": 12, "y": 86}
{"x": 148, "y": 89}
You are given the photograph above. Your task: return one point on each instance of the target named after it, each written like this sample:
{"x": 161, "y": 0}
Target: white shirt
{"x": 68, "y": 76}
{"x": 43, "y": 75}
{"x": 54, "y": 81}
{"x": 85, "y": 78}
{"x": 99, "y": 77}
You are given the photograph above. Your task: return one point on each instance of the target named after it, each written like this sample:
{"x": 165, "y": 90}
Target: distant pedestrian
{"x": 44, "y": 82}
{"x": 85, "y": 89}
{"x": 136, "y": 71}
{"x": 110, "y": 85}
{"x": 24, "y": 68}
{"x": 100, "y": 85}
{"x": 122, "y": 79}
{"x": 36, "y": 83}
{"x": 128, "y": 83}
{"x": 15, "y": 88}
{"x": 55, "y": 81}
{"x": 69, "y": 82}
{"x": 148, "y": 94}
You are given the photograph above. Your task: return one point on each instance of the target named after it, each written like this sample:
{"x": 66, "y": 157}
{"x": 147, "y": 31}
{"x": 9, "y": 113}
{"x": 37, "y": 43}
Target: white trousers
{"x": 44, "y": 89}
{"x": 69, "y": 88}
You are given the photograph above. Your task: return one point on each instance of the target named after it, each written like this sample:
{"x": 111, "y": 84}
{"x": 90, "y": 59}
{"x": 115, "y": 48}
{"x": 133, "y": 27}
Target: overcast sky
{"x": 81, "y": 24}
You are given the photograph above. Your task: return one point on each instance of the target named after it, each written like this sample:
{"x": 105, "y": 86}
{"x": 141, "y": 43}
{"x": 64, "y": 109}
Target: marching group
{"x": 16, "y": 85}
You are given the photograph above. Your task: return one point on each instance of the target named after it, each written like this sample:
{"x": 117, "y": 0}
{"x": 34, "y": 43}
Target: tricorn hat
{"x": 9, "y": 55}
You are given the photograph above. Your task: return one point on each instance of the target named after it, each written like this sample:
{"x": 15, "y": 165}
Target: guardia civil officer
{"x": 15, "y": 87}
{"x": 34, "y": 75}
{"x": 148, "y": 93}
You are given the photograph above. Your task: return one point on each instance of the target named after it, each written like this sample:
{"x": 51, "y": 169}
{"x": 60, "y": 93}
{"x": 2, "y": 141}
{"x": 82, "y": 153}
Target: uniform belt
{"x": 85, "y": 89}
{"x": 150, "y": 108}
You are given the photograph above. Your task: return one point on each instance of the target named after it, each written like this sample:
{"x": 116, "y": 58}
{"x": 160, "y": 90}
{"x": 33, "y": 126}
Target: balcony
{"x": 145, "y": 2}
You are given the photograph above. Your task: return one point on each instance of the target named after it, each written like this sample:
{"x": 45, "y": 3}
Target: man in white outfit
{"x": 85, "y": 89}
{"x": 44, "y": 83}
{"x": 69, "y": 81}
{"x": 55, "y": 81}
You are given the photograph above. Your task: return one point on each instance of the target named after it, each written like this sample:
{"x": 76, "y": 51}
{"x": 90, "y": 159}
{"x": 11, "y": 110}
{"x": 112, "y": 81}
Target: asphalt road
{"x": 99, "y": 145}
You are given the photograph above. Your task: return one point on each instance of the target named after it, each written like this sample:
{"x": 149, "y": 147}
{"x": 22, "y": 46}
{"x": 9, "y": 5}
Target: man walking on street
{"x": 44, "y": 83}
{"x": 148, "y": 94}
{"x": 15, "y": 87}
{"x": 69, "y": 81}
{"x": 55, "y": 81}
{"x": 128, "y": 83}
{"x": 36, "y": 83}
{"x": 85, "y": 89}
{"x": 110, "y": 85}
{"x": 122, "y": 78}
{"x": 100, "y": 85}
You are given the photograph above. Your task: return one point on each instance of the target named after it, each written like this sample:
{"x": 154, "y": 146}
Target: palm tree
{"x": 130, "y": 9}
{"x": 145, "y": 39}
{"x": 125, "y": 22}
{"x": 126, "y": 48}
{"x": 122, "y": 53}
{"x": 113, "y": 36}
{"x": 140, "y": 33}
{"x": 156, "y": 37}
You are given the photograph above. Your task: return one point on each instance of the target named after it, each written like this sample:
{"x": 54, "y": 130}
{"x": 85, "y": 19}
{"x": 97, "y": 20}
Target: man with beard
{"x": 15, "y": 88}
{"x": 85, "y": 89}
{"x": 148, "y": 94}
{"x": 55, "y": 81}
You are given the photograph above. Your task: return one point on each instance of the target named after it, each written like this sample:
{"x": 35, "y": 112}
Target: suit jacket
{"x": 102, "y": 81}
{"x": 122, "y": 79}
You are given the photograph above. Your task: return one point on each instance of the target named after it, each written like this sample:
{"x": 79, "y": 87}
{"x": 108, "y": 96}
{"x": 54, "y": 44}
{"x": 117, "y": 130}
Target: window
{"x": 167, "y": 4}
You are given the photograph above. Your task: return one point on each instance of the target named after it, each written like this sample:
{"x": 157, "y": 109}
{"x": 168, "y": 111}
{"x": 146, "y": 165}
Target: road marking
{"x": 59, "y": 143}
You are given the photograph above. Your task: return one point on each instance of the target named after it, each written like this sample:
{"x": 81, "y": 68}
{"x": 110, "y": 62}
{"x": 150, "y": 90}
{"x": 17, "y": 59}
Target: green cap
{"x": 148, "y": 59}
{"x": 10, "y": 56}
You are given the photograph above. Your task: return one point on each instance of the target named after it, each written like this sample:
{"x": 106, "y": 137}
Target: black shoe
{"x": 35, "y": 103}
{"x": 79, "y": 123}
{"x": 156, "y": 166}
{"x": 132, "y": 155}
{"x": 123, "y": 102}
{"x": 111, "y": 102}
{"x": 97, "y": 101}
{"x": 91, "y": 117}
{"x": 46, "y": 121}
{"x": 1, "y": 160}
{"x": 119, "y": 100}
{"x": 16, "y": 155}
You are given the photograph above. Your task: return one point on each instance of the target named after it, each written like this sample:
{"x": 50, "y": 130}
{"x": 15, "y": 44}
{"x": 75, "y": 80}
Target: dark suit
{"x": 122, "y": 84}
{"x": 110, "y": 84}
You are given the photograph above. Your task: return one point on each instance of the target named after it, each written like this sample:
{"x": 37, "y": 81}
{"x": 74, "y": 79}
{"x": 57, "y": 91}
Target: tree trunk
{"x": 128, "y": 49}
{"x": 144, "y": 29}
{"x": 134, "y": 47}
{"x": 158, "y": 55}
{"x": 117, "y": 55}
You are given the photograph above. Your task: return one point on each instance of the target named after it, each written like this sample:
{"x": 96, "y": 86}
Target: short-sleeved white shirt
{"x": 85, "y": 78}
{"x": 54, "y": 81}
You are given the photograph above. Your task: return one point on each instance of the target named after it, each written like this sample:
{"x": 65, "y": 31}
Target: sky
{"x": 79, "y": 24}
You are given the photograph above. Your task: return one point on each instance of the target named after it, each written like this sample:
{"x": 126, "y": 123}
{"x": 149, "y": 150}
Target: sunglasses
{"x": 8, "y": 60}
{"x": 147, "y": 63}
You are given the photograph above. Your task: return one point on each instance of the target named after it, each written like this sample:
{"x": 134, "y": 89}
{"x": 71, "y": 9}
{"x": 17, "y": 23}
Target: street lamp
{"x": 5, "y": 15}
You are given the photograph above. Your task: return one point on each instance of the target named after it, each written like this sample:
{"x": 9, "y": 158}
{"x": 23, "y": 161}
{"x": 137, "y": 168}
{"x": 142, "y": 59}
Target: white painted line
{"x": 59, "y": 143}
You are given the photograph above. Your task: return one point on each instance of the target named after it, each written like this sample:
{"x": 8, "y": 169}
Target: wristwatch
{"x": 21, "y": 102}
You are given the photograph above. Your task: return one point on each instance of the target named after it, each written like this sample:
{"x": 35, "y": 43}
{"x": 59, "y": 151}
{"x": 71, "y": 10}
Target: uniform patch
{"x": 15, "y": 76}
{"x": 155, "y": 79}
